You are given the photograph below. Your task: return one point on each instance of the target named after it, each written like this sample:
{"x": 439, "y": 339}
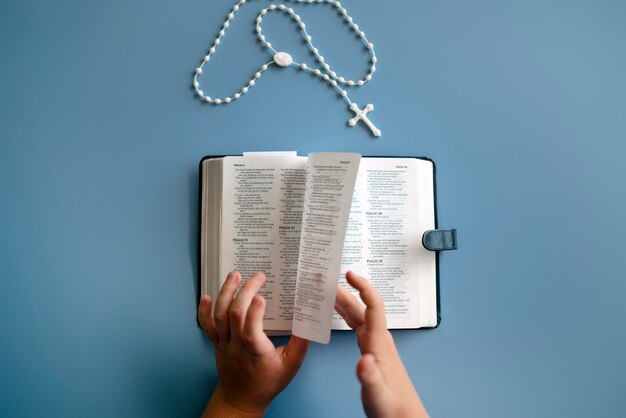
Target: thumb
{"x": 295, "y": 350}
{"x": 370, "y": 376}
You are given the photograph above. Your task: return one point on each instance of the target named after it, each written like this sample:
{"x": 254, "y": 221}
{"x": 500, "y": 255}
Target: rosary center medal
{"x": 284, "y": 59}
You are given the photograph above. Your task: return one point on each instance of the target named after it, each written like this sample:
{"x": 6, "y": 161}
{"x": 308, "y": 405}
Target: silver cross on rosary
{"x": 283, "y": 59}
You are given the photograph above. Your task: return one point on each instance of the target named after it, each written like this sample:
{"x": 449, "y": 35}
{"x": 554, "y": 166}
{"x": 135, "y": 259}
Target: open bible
{"x": 305, "y": 221}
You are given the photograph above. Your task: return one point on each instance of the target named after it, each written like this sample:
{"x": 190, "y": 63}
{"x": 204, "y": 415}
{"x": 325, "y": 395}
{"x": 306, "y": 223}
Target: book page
{"x": 328, "y": 196}
{"x": 262, "y": 205}
{"x": 393, "y": 205}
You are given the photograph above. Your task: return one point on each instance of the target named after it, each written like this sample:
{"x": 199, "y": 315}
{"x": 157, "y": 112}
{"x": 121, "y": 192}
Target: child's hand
{"x": 252, "y": 372}
{"x": 386, "y": 389}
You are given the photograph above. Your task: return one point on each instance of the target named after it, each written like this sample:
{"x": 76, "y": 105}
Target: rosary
{"x": 283, "y": 59}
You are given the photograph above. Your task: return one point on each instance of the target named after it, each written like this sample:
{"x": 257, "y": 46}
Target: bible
{"x": 306, "y": 221}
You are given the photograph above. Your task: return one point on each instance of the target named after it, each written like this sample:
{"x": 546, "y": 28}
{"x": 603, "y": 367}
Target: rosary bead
{"x": 257, "y": 75}
{"x": 207, "y": 99}
{"x": 196, "y": 84}
{"x": 217, "y": 101}
{"x": 222, "y": 33}
{"x": 244, "y": 90}
{"x": 290, "y": 10}
{"x": 236, "y": 95}
{"x": 227, "y": 100}
{"x": 212, "y": 50}
{"x": 264, "y": 67}
{"x": 333, "y": 74}
{"x": 198, "y": 70}
{"x": 263, "y": 12}
{"x": 272, "y": 6}
{"x": 281, "y": 7}
{"x": 370, "y": 46}
{"x": 368, "y": 77}
{"x": 226, "y": 24}
{"x": 360, "y": 83}
{"x": 317, "y": 71}
{"x": 343, "y": 93}
{"x": 242, "y": 1}
{"x": 326, "y": 77}
{"x": 217, "y": 41}
{"x": 314, "y": 50}
{"x": 251, "y": 83}
{"x": 236, "y": 7}
{"x": 351, "y": 83}
{"x": 259, "y": 20}
{"x": 307, "y": 38}
{"x": 320, "y": 58}
{"x": 333, "y": 83}
{"x": 326, "y": 67}
{"x": 355, "y": 26}
{"x": 349, "y": 19}
{"x": 303, "y": 66}
{"x": 374, "y": 59}
{"x": 373, "y": 68}
{"x": 206, "y": 58}
{"x": 199, "y": 93}
{"x": 341, "y": 80}
{"x": 231, "y": 15}
{"x": 302, "y": 25}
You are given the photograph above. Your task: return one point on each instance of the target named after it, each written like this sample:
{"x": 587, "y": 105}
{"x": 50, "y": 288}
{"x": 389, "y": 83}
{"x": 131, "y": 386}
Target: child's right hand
{"x": 386, "y": 389}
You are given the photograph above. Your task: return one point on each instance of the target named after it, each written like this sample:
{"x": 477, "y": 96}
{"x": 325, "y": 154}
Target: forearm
{"x": 220, "y": 407}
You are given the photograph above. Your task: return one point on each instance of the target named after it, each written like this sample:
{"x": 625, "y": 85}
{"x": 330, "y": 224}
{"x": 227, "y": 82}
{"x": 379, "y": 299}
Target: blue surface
{"x": 521, "y": 104}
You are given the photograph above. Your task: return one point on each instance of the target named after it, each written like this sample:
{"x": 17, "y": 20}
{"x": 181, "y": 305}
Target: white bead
{"x": 341, "y": 80}
{"x": 302, "y": 25}
{"x": 236, "y": 7}
{"x": 267, "y": 44}
{"x": 309, "y": 1}
{"x": 350, "y": 83}
{"x": 374, "y": 59}
{"x": 317, "y": 71}
{"x": 368, "y": 77}
{"x": 257, "y": 75}
{"x": 272, "y": 6}
{"x": 227, "y": 100}
{"x": 198, "y": 70}
{"x": 320, "y": 58}
{"x": 290, "y": 10}
{"x": 355, "y": 27}
{"x": 373, "y": 68}
{"x": 326, "y": 77}
{"x": 343, "y": 93}
{"x": 337, "y": 4}
{"x": 200, "y": 93}
{"x": 244, "y": 90}
{"x": 264, "y": 11}
{"x": 297, "y": 17}
{"x": 261, "y": 37}
{"x": 217, "y": 42}
{"x": 264, "y": 67}
{"x": 307, "y": 38}
{"x": 349, "y": 19}
{"x": 303, "y": 66}
{"x": 326, "y": 67}
{"x": 226, "y": 24}
{"x": 251, "y": 83}
{"x": 333, "y": 74}
{"x": 231, "y": 15}
{"x": 195, "y": 84}
{"x": 242, "y": 1}
{"x": 236, "y": 96}
{"x": 259, "y": 20}
{"x": 344, "y": 12}
{"x": 212, "y": 50}
{"x": 362, "y": 34}
{"x": 281, "y": 6}
{"x": 222, "y": 33}
{"x": 206, "y": 58}
{"x": 360, "y": 82}
{"x": 314, "y": 50}
{"x": 207, "y": 99}
{"x": 370, "y": 46}
{"x": 333, "y": 83}
{"x": 217, "y": 101}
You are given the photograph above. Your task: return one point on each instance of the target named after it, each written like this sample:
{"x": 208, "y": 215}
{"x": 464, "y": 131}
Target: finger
{"x": 222, "y": 305}
{"x": 373, "y": 385}
{"x": 349, "y": 307}
{"x": 239, "y": 307}
{"x": 253, "y": 336}
{"x": 375, "y": 309}
{"x": 206, "y": 319}
{"x": 295, "y": 351}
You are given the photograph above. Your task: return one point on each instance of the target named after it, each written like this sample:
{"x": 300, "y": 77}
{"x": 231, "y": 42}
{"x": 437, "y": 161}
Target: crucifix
{"x": 360, "y": 114}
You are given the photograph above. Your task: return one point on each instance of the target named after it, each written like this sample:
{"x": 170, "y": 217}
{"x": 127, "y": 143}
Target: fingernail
{"x": 232, "y": 276}
{"x": 204, "y": 299}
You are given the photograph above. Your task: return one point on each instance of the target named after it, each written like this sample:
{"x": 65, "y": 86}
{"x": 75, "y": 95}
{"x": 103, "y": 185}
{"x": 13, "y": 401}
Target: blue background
{"x": 521, "y": 104}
